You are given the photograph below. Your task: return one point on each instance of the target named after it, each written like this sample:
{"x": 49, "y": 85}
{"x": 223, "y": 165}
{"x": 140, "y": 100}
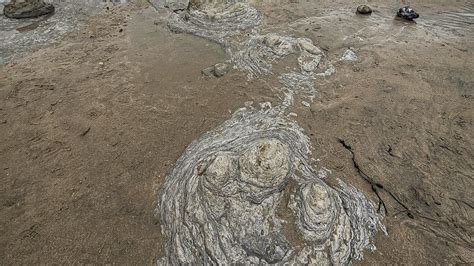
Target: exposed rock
{"x": 176, "y": 5}
{"x": 208, "y": 71}
{"x": 206, "y": 4}
{"x": 219, "y": 202}
{"x": 407, "y": 13}
{"x": 218, "y": 70}
{"x": 309, "y": 46}
{"x": 221, "y": 69}
{"x": 27, "y": 9}
{"x": 364, "y": 10}
{"x": 271, "y": 40}
{"x": 265, "y": 164}
{"x": 349, "y": 55}
{"x": 216, "y": 24}
{"x": 272, "y": 248}
{"x": 259, "y": 51}
{"x": 173, "y": 5}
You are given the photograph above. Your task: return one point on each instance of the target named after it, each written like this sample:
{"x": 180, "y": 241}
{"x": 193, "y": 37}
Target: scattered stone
{"x": 407, "y": 13}
{"x": 271, "y": 40}
{"x": 221, "y": 69}
{"x": 309, "y": 47}
{"x": 177, "y": 5}
{"x": 218, "y": 70}
{"x": 323, "y": 172}
{"x": 292, "y": 114}
{"x": 173, "y": 5}
{"x": 27, "y": 9}
{"x": 209, "y": 71}
{"x": 364, "y": 10}
{"x": 349, "y": 55}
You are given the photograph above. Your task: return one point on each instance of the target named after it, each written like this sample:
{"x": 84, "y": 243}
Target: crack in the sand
{"x": 375, "y": 185}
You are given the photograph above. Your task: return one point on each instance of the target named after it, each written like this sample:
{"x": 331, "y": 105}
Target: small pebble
{"x": 349, "y": 55}
{"x": 209, "y": 71}
{"x": 221, "y": 69}
{"x": 407, "y": 13}
{"x": 218, "y": 70}
{"x": 364, "y": 10}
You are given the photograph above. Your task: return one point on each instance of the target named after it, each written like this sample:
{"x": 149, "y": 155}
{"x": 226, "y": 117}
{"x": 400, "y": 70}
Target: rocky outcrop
{"x": 27, "y": 9}
{"x": 220, "y": 202}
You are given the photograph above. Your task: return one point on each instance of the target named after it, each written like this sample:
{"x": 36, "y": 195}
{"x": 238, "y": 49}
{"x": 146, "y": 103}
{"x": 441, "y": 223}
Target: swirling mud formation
{"x": 234, "y": 25}
{"x": 242, "y": 191}
{"x": 215, "y": 21}
{"x": 258, "y": 53}
{"x": 220, "y": 202}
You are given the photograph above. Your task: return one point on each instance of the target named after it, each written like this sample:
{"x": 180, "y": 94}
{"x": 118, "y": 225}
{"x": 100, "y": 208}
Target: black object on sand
{"x": 364, "y": 10}
{"x": 407, "y": 13}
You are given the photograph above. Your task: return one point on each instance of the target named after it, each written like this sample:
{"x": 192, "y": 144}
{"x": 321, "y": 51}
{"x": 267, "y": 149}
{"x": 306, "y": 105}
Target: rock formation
{"x": 27, "y": 9}
{"x": 220, "y": 202}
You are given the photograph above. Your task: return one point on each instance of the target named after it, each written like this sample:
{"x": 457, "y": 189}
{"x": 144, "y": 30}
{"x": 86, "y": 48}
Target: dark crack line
{"x": 375, "y": 186}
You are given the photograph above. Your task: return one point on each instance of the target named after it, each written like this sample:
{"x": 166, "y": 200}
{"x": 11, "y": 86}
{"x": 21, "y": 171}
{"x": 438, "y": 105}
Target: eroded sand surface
{"x": 90, "y": 126}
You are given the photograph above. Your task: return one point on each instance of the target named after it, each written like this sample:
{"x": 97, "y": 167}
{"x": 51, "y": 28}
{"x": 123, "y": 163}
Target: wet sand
{"x": 90, "y": 125}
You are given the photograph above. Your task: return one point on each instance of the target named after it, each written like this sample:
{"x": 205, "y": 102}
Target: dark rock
{"x": 27, "y": 9}
{"x": 407, "y": 13}
{"x": 364, "y": 10}
{"x": 272, "y": 248}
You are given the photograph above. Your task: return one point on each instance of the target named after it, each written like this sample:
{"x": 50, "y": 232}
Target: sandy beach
{"x": 98, "y": 103}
